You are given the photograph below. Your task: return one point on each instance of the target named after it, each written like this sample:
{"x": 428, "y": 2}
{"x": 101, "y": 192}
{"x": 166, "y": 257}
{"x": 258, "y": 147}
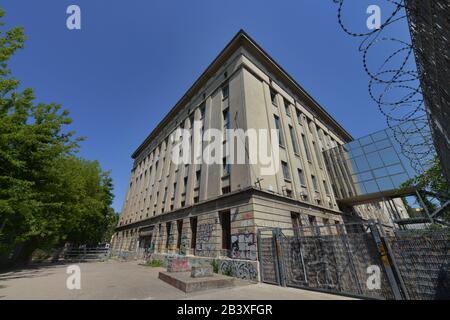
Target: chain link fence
{"x": 358, "y": 260}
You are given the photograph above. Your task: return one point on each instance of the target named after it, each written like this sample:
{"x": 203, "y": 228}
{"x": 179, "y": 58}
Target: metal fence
{"x": 356, "y": 259}
{"x": 423, "y": 260}
{"x": 87, "y": 254}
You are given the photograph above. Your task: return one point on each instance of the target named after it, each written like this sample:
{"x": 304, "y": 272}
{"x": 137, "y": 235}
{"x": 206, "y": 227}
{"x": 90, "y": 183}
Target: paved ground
{"x": 128, "y": 280}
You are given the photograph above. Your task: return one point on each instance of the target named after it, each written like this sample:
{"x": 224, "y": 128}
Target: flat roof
{"x": 242, "y": 39}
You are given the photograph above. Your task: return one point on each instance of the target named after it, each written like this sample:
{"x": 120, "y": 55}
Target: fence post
{"x": 385, "y": 260}
{"x": 277, "y": 256}
{"x": 394, "y": 263}
{"x": 259, "y": 246}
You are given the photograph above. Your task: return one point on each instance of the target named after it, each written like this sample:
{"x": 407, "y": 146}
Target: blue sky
{"x": 134, "y": 59}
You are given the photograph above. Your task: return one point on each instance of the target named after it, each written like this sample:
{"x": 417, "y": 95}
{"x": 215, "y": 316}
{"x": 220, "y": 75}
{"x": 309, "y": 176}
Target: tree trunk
{"x": 23, "y": 256}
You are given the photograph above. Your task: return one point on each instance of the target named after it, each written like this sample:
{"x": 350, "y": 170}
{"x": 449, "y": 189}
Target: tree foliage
{"x": 47, "y": 195}
{"x": 433, "y": 180}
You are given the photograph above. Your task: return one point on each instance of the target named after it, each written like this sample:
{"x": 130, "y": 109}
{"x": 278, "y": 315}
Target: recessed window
{"x": 273, "y": 97}
{"x": 196, "y": 199}
{"x": 225, "y": 92}
{"x": 198, "y": 175}
{"x": 279, "y": 130}
{"x": 285, "y": 168}
{"x": 299, "y": 117}
{"x": 301, "y": 176}
{"x": 293, "y": 139}
{"x": 168, "y": 233}
{"x": 314, "y": 181}
{"x": 316, "y": 150}
{"x": 226, "y": 190}
{"x": 287, "y": 107}
{"x": 225, "y": 167}
{"x": 289, "y": 193}
{"x": 325, "y": 186}
{"x": 226, "y": 119}
{"x": 305, "y": 144}
{"x": 185, "y": 180}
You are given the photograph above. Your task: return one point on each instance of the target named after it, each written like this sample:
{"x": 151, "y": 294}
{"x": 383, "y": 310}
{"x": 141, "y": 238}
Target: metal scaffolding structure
{"x": 429, "y": 24}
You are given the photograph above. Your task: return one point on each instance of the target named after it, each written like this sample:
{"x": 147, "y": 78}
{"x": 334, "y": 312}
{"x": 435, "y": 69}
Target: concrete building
{"x": 214, "y": 210}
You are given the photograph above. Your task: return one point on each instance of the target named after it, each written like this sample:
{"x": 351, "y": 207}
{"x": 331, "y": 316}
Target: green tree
{"x": 433, "y": 180}
{"x": 47, "y": 195}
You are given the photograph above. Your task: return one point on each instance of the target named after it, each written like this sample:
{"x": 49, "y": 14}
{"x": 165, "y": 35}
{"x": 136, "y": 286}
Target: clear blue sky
{"x": 134, "y": 59}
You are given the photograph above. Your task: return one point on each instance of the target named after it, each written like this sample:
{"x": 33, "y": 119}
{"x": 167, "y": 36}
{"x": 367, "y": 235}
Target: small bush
{"x": 154, "y": 263}
{"x": 215, "y": 266}
{"x": 228, "y": 272}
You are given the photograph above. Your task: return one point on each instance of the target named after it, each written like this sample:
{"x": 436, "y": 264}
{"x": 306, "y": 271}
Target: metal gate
{"x": 352, "y": 259}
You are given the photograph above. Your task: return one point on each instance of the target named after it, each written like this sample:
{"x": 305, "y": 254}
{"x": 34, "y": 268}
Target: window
{"x": 225, "y": 92}
{"x": 316, "y": 150}
{"x": 325, "y": 186}
{"x": 296, "y": 223}
{"x": 226, "y": 119}
{"x": 226, "y": 190}
{"x": 305, "y": 144}
{"x": 299, "y": 117}
{"x": 301, "y": 176}
{"x": 168, "y": 230}
{"x": 225, "y": 167}
{"x": 273, "y": 97}
{"x": 293, "y": 139}
{"x": 314, "y": 181}
{"x": 287, "y": 106}
{"x": 279, "y": 130}
{"x": 165, "y": 195}
{"x": 185, "y": 180}
{"x": 285, "y": 168}
{"x": 202, "y": 112}
{"x": 225, "y": 223}
{"x": 193, "y": 222}
{"x": 196, "y": 199}
{"x": 174, "y": 190}
{"x": 289, "y": 193}
{"x": 198, "y": 176}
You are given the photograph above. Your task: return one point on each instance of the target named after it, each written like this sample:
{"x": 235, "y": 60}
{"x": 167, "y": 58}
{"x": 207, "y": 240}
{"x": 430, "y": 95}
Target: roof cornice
{"x": 242, "y": 39}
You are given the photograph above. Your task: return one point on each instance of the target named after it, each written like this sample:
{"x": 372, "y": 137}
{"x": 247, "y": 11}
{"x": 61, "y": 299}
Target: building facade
{"x": 214, "y": 210}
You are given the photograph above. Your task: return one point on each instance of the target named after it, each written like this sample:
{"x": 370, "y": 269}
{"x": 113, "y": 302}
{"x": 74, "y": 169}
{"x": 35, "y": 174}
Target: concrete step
{"x": 187, "y": 284}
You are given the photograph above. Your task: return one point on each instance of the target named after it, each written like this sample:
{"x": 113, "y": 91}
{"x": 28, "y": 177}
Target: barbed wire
{"x": 395, "y": 87}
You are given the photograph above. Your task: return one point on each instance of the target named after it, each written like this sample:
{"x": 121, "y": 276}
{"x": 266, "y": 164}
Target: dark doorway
{"x": 179, "y": 230}
{"x": 193, "y": 232}
{"x": 168, "y": 230}
{"x": 225, "y": 223}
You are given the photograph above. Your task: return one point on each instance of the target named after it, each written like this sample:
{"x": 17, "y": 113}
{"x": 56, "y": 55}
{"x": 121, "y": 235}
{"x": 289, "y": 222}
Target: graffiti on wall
{"x": 243, "y": 246}
{"x": 239, "y": 269}
{"x": 204, "y": 232}
{"x": 204, "y": 247}
{"x": 184, "y": 242}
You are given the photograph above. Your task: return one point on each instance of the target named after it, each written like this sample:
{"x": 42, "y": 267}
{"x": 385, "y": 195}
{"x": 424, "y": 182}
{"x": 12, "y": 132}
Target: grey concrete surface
{"x": 128, "y": 280}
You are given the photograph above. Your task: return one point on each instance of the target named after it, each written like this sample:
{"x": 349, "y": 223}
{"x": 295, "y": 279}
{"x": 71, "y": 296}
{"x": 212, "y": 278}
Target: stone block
{"x": 178, "y": 264}
{"x": 202, "y": 272}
